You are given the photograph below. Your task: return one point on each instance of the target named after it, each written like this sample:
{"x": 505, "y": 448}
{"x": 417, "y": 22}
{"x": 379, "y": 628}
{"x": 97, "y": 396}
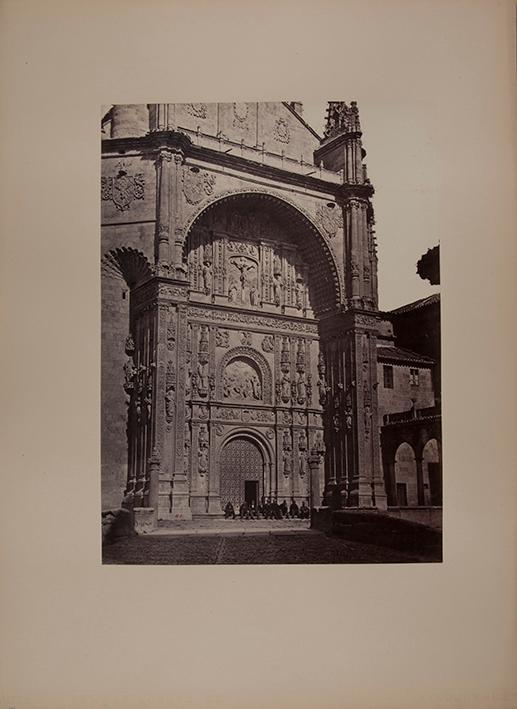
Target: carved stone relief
{"x": 240, "y": 115}
{"x": 197, "y": 184}
{"x": 122, "y": 189}
{"x": 329, "y": 219}
{"x": 222, "y": 338}
{"x": 241, "y": 381}
{"x": 281, "y": 131}
{"x": 199, "y": 110}
{"x": 268, "y": 343}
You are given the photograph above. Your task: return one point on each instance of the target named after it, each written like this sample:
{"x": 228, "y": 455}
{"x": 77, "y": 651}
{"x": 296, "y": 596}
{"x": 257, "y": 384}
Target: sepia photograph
{"x": 259, "y": 404}
{"x": 258, "y": 354}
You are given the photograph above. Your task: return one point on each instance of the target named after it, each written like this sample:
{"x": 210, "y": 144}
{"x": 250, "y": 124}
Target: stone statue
{"x": 299, "y": 294}
{"x": 253, "y": 295}
{"x": 277, "y": 266}
{"x": 203, "y": 460}
{"x": 301, "y": 389}
{"x": 288, "y": 463}
{"x": 286, "y": 388}
{"x": 257, "y": 389}
{"x": 203, "y": 377}
{"x": 207, "y": 278}
{"x": 277, "y": 289}
{"x": 232, "y": 293}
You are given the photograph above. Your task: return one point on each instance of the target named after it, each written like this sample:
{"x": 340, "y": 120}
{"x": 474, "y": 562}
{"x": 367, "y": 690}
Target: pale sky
{"x": 401, "y": 163}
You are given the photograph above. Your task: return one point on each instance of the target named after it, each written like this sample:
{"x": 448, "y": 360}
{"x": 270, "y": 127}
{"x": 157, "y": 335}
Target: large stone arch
{"x": 258, "y": 359}
{"x": 316, "y": 249}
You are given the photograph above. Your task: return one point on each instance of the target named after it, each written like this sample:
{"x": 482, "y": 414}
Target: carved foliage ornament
{"x": 123, "y": 188}
{"x": 197, "y": 184}
{"x": 199, "y": 110}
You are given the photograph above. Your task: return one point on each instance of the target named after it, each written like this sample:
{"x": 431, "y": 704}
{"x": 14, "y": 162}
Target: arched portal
{"x": 405, "y": 476}
{"x": 261, "y": 277}
{"x": 281, "y": 241}
{"x": 242, "y": 471}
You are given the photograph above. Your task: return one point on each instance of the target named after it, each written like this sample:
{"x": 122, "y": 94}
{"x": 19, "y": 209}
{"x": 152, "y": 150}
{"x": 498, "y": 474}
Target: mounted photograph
{"x": 258, "y": 404}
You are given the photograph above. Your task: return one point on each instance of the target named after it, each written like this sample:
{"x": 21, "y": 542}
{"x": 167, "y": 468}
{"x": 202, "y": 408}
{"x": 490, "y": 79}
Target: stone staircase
{"x": 229, "y": 526}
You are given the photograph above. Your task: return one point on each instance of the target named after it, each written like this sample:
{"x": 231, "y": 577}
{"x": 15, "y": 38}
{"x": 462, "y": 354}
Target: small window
{"x": 413, "y": 377}
{"x": 388, "y": 376}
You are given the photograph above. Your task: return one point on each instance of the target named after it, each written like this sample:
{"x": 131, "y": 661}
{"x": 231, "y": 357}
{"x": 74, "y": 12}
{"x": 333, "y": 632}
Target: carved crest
{"x": 123, "y": 188}
{"x": 197, "y": 185}
{"x": 329, "y": 219}
{"x": 222, "y": 338}
{"x": 268, "y": 343}
{"x": 281, "y": 130}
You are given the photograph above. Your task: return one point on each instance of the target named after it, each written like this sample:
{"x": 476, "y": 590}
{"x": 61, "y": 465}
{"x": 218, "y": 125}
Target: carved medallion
{"x": 281, "y": 130}
{"x": 240, "y": 113}
{"x": 197, "y": 185}
{"x": 329, "y": 219}
{"x": 268, "y": 343}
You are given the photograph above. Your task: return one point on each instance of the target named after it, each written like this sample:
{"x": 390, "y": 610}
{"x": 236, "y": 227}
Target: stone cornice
{"x": 181, "y": 143}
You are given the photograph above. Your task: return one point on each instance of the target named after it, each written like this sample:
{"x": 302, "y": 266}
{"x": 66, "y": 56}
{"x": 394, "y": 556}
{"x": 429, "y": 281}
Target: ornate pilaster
{"x": 353, "y": 471}
{"x": 180, "y": 507}
{"x": 157, "y": 414}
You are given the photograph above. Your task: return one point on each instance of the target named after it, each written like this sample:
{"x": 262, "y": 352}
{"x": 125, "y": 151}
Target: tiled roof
{"x": 422, "y": 303}
{"x": 397, "y": 354}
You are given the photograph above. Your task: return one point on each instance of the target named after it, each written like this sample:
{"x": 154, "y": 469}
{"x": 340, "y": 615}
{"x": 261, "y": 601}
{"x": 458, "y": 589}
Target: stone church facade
{"x": 240, "y": 316}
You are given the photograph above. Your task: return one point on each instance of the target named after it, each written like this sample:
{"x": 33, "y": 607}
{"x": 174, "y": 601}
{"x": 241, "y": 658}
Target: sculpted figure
{"x": 257, "y": 389}
{"x": 299, "y": 295}
{"x": 277, "y": 290}
{"x": 203, "y": 461}
{"x": 232, "y": 293}
{"x": 203, "y": 376}
{"x": 286, "y": 388}
{"x": 301, "y": 389}
{"x": 253, "y": 295}
{"x": 207, "y": 278}
{"x": 248, "y": 389}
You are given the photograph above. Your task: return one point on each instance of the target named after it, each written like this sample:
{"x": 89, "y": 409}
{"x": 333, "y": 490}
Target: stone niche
{"x": 242, "y": 381}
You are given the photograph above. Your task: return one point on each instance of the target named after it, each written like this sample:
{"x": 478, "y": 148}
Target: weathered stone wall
{"x": 400, "y": 397}
{"x": 114, "y": 330}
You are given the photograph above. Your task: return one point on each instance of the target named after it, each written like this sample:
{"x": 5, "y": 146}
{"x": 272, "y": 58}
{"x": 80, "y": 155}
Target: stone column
{"x": 163, "y": 167}
{"x": 350, "y": 418}
{"x": 354, "y": 239}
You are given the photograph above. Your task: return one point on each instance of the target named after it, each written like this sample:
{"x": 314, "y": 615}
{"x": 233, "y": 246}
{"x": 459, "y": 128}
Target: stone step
{"x": 229, "y": 526}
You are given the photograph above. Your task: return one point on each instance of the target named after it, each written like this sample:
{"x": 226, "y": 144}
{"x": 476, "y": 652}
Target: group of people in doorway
{"x": 267, "y": 509}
